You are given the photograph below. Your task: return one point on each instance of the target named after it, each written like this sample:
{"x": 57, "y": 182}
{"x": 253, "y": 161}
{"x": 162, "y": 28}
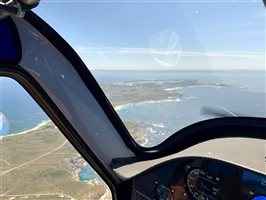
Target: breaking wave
{"x": 125, "y": 106}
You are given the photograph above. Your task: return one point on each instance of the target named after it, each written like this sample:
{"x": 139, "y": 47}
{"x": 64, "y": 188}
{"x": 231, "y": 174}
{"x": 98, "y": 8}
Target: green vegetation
{"x": 35, "y": 166}
{"x": 141, "y": 91}
{"x": 137, "y": 133}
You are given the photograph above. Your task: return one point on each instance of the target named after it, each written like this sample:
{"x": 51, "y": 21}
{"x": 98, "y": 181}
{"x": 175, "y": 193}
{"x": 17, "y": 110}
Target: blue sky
{"x": 162, "y": 35}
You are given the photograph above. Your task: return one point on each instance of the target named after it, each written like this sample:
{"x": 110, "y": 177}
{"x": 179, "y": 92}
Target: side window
{"x": 36, "y": 160}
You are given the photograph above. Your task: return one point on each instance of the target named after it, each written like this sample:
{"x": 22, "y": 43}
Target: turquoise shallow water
{"x": 86, "y": 173}
{"x": 164, "y": 118}
{"x": 246, "y": 97}
{"x": 22, "y": 113}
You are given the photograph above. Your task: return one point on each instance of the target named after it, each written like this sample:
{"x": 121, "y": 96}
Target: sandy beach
{"x": 40, "y": 125}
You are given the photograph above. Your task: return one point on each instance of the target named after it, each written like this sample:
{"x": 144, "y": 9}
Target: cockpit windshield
{"x": 164, "y": 65}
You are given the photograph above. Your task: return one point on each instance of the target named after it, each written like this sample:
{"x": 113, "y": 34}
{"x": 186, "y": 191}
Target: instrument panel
{"x": 194, "y": 178}
{"x": 201, "y": 184}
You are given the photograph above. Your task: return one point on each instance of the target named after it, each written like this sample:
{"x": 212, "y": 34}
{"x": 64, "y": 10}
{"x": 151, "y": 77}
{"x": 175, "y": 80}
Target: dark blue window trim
{"x": 10, "y": 46}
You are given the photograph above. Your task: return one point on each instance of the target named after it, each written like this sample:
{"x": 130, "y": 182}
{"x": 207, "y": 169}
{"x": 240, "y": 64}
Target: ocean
{"x": 246, "y": 96}
{"x": 253, "y": 80}
{"x": 21, "y": 111}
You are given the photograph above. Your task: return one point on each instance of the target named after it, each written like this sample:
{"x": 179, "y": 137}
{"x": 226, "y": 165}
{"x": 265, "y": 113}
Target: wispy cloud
{"x": 105, "y": 51}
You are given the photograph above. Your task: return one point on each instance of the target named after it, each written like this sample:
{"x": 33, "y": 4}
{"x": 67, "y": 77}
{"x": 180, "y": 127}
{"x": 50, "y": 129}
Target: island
{"x": 41, "y": 164}
{"x": 142, "y": 91}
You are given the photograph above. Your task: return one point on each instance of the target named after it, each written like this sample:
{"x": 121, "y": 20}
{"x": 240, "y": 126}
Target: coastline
{"x": 107, "y": 194}
{"x": 120, "y": 107}
{"x": 40, "y": 125}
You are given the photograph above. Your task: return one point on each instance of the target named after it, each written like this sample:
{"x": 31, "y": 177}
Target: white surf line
{"x": 24, "y": 164}
{"x": 40, "y": 125}
{"x": 229, "y": 112}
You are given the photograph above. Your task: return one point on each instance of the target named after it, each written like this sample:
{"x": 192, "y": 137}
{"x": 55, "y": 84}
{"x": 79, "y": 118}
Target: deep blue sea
{"x": 245, "y": 97}
{"x": 253, "y": 80}
{"x": 21, "y": 111}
